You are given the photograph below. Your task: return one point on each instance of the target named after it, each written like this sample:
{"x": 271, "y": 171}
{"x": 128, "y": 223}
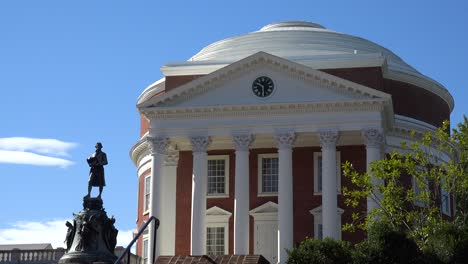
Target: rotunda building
{"x": 241, "y": 146}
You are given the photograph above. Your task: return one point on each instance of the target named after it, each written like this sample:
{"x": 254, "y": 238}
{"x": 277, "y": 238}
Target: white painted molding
{"x": 266, "y": 109}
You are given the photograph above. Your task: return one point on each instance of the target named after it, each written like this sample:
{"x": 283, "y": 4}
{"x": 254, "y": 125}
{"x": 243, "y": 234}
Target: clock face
{"x": 263, "y": 86}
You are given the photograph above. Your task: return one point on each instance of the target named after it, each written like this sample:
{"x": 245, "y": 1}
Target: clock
{"x": 263, "y": 86}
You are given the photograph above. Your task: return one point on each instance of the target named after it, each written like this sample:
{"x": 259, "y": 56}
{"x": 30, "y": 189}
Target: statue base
{"x": 92, "y": 237}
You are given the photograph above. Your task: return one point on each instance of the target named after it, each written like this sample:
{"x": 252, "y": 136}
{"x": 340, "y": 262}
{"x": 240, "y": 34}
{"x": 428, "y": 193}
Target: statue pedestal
{"x": 92, "y": 236}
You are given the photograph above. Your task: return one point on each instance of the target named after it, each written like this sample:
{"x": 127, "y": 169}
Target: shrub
{"x": 386, "y": 245}
{"x": 449, "y": 242}
{"x": 325, "y": 251}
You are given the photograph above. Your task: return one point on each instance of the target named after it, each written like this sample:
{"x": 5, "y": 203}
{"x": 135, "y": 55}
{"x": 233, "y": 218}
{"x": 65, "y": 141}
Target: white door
{"x": 266, "y": 240}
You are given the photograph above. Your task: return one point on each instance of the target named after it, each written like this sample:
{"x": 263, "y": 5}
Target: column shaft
{"x": 329, "y": 185}
{"x": 373, "y": 139}
{"x": 285, "y": 195}
{"x": 241, "y": 195}
{"x": 158, "y": 147}
{"x": 167, "y": 229}
{"x": 199, "y": 182}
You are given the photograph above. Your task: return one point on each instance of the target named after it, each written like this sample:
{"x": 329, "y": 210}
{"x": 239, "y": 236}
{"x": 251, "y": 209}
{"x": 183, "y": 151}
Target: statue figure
{"x": 70, "y": 234}
{"x": 96, "y": 173}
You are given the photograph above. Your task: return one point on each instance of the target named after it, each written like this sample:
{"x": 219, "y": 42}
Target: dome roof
{"x": 296, "y": 41}
{"x": 301, "y": 42}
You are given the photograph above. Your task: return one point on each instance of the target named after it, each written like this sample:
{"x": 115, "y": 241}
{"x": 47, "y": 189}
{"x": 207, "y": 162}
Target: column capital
{"x": 242, "y": 142}
{"x": 200, "y": 144}
{"x": 328, "y": 138}
{"x": 172, "y": 156}
{"x": 372, "y": 137}
{"x": 285, "y": 140}
{"x": 158, "y": 145}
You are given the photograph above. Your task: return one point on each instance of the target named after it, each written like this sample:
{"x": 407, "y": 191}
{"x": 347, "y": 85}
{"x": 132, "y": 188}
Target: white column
{"x": 167, "y": 228}
{"x": 285, "y": 194}
{"x": 199, "y": 182}
{"x": 373, "y": 139}
{"x": 158, "y": 147}
{"x": 241, "y": 195}
{"x": 328, "y": 141}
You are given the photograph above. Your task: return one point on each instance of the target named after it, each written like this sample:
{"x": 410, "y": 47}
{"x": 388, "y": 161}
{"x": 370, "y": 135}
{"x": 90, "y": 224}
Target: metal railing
{"x": 140, "y": 232}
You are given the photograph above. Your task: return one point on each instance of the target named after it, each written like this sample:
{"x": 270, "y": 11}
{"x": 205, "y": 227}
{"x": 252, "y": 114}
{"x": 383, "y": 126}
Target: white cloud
{"x": 35, "y": 151}
{"x": 28, "y": 158}
{"x": 46, "y": 146}
{"x": 52, "y": 232}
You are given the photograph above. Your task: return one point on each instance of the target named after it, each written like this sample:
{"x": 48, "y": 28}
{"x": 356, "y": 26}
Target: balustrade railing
{"x": 49, "y": 256}
{"x": 37, "y": 256}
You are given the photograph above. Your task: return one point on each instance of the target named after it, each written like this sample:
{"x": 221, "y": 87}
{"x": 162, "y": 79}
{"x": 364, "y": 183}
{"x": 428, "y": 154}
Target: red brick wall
{"x": 176, "y": 81}
{"x": 408, "y": 100}
{"x": 183, "y": 203}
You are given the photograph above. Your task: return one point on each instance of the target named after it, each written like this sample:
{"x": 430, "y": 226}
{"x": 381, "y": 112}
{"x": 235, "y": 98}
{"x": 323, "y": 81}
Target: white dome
{"x": 301, "y": 42}
{"x": 296, "y": 41}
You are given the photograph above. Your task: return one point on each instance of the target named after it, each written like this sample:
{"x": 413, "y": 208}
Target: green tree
{"x": 438, "y": 163}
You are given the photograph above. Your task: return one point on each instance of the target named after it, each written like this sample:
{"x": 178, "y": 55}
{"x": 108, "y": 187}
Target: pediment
{"x": 268, "y": 207}
{"x": 318, "y": 210}
{"x": 232, "y": 85}
{"x": 217, "y": 211}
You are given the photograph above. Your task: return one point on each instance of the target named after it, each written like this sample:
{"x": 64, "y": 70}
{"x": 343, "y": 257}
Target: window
{"x": 215, "y": 241}
{"x": 268, "y": 174}
{"x": 145, "y": 250}
{"x": 147, "y": 200}
{"x": 318, "y": 224}
{"x": 218, "y": 176}
{"x": 445, "y": 200}
{"x": 217, "y": 224}
{"x": 318, "y": 173}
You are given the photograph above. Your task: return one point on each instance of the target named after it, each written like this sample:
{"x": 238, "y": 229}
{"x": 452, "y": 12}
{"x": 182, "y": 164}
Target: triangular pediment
{"x": 268, "y": 207}
{"x": 216, "y": 214}
{"x": 217, "y": 211}
{"x": 232, "y": 85}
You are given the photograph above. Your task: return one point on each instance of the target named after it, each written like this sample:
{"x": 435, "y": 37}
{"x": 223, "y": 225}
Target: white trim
{"x": 145, "y": 238}
{"x": 218, "y": 217}
{"x": 317, "y": 213}
{"x": 260, "y": 175}
{"x": 316, "y": 172}
{"x": 226, "y": 176}
{"x": 226, "y": 235}
{"x": 265, "y": 212}
{"x": 273, "y": 109}
{"x": 146, "y": 206}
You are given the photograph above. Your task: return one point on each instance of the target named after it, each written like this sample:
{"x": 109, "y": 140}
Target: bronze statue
{"x": 96, "y": 173}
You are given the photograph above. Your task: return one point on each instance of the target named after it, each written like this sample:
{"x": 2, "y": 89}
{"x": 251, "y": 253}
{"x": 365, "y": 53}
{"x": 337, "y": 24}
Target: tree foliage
{"x": 437, "y": 162}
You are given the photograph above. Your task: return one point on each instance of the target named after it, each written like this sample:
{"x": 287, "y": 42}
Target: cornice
{"x": 138, "y": 149}
{"x": 421, "y": 81}
{"x": 266, "y": 110}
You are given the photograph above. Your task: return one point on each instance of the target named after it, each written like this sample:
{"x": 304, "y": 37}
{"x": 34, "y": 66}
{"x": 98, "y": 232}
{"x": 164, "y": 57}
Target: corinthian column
{"x": 241, "y": 196}
{"x": 199, "y": 182}
{"x": 158, "y": 146}
{"x": 328, "y": 141}
{"x": 373, "y": 139}
{"x": 167, "y": 228}
{"x": 285, "y": 143}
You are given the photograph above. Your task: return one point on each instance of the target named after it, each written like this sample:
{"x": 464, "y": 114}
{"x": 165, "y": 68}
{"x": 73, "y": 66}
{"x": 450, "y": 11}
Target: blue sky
{"x": 72, "y": 71}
